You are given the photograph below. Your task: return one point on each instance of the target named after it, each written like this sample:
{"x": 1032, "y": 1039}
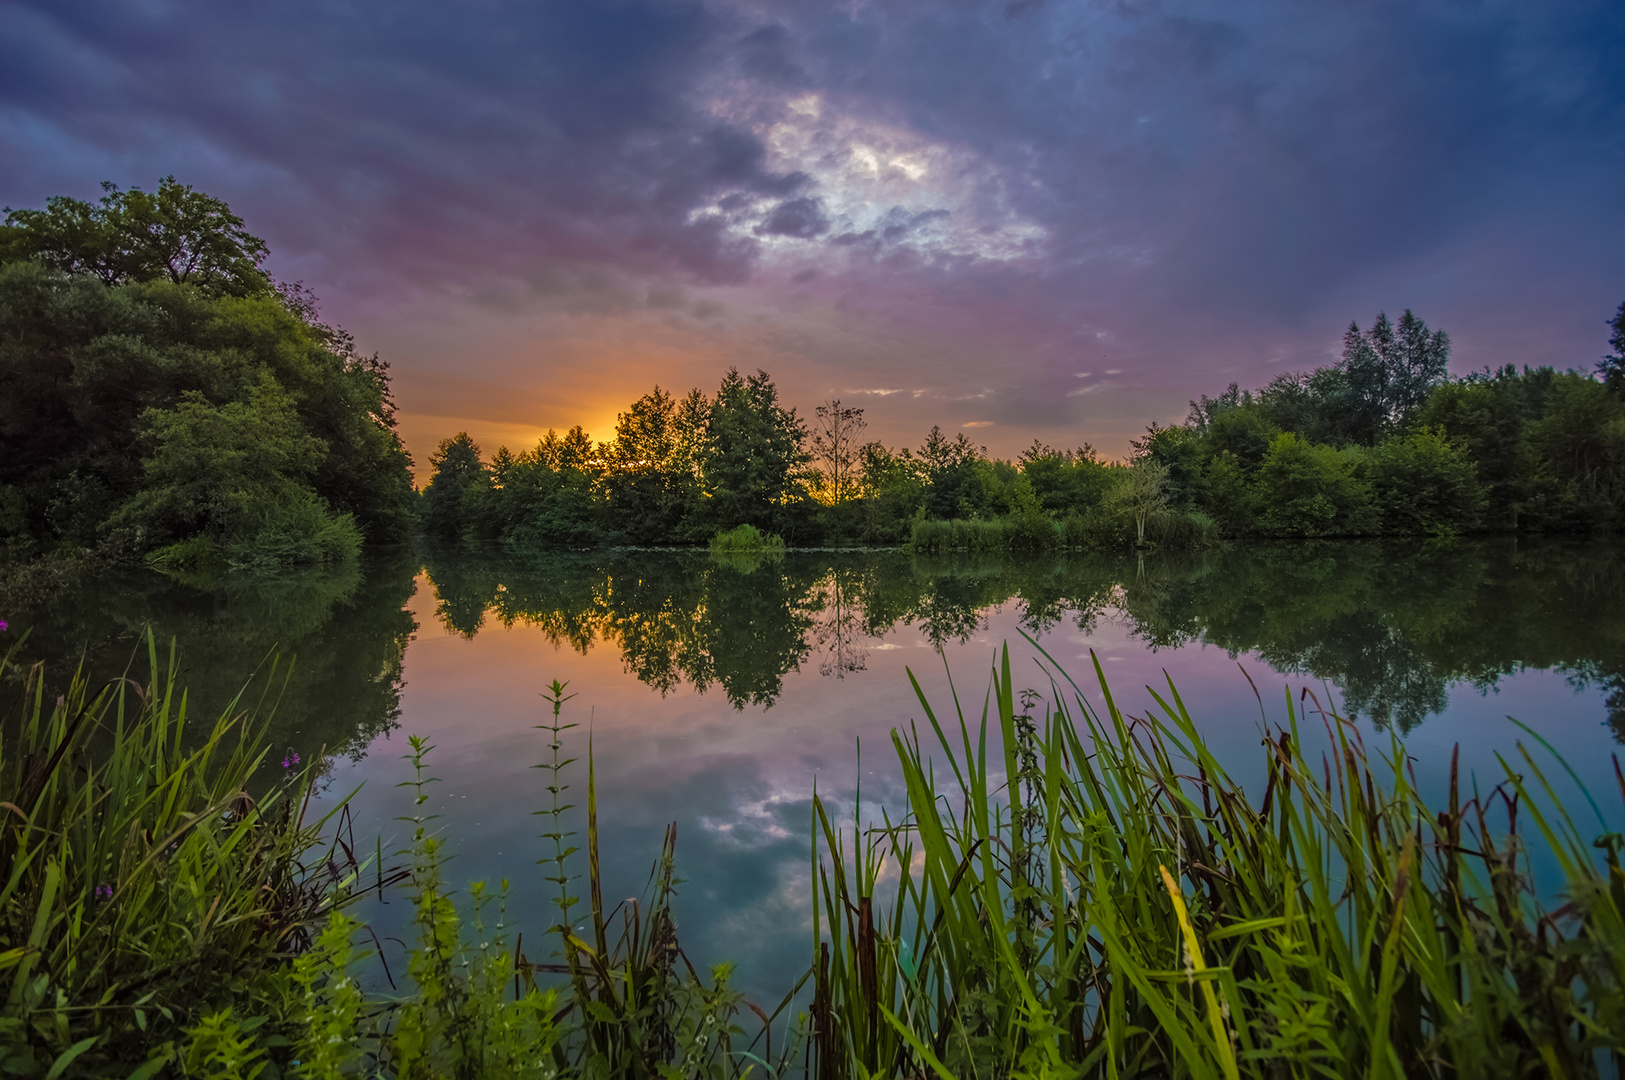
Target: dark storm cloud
{"x": 1188, "y": 193}
{"x": 432, "y": 136}
{"x": 801, "y": 219}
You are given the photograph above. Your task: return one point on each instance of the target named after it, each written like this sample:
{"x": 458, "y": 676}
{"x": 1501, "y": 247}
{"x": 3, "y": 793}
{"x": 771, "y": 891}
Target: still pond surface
{"x": 717, "y": 694}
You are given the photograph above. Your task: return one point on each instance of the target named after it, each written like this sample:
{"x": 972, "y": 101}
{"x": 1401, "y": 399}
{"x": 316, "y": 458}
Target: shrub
{"x": 1425, "y": 484}
{"x": 1307, "y": 489}
{"x": 746, "y": 538}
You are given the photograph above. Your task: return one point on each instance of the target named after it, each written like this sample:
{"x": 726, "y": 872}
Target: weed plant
{"x": 147, "y": 875}
{"x": 746, "y": 539}
{"x": 1121, "y": 909}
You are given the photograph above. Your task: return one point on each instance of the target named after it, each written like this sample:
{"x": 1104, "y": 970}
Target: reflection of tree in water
{"x": 1392, "y": 626}
{"x": 837, "y": 624}
{"x": 345, "y": 633}
{"x": 675, "y": 617}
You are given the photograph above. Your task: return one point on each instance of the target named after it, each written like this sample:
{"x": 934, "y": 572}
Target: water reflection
{"x": 1392, "y": 627}
{"x": 346, "y": 633}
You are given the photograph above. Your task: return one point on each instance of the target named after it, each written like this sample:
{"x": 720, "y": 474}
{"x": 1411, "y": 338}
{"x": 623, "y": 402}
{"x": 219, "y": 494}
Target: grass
{"x": 141, "y": 883}
{"x": 1120, "y": 908}
{"x": 1034, "y": 533}
{"x": 746, "y": 539}
{"x": 1069, "y": 891}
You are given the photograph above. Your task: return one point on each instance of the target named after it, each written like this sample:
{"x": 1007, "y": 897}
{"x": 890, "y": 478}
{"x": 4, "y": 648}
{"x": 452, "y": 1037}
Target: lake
{"x": 717, "y": 694}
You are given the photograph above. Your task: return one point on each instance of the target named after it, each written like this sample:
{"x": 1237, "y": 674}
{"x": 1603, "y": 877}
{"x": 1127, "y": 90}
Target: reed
{"x": 1118, "y": 907}
{"x": 141, "y": 883}
{"x": 744, "y": 539}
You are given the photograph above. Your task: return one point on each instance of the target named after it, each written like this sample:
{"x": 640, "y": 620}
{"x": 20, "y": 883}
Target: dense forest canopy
{"x": 161, "y": 394}
{"x": 1383, "y": 442}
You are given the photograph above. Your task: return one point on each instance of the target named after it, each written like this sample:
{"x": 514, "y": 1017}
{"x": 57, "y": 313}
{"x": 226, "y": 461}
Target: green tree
{"x": 753, "y": 460}
{"x": 1484, "y": 416}
{"x": 453, "y": 501}
{"x": 649, "y": 481}
{"x": 954, "y": 481}
{"x": 1579, "y": 441}
{"x": 175, "y": 233}
{"x": 1064, "y": 482}
{"x": 1142, "y": 492}
{"x": 892, "y": 491}
{"x": 1612, "y": 366}
{"x": 1178, "y": 450}
{"x": 1305, "y": 489}
{"x": 1425, "y": 484}
{"x": 1384, "y": 375}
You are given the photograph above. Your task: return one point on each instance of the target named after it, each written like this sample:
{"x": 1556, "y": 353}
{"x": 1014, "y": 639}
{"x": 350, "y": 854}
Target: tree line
{"x": 1383, "y": 442}
{"x": 162, "y": 395}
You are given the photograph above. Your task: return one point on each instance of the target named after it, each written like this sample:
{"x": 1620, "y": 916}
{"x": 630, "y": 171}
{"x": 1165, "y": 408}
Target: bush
{"x": 1305, "y": 489}
{"x": 1425, "y": 484}
{"x": 746, "y": 538}
{"x": 298, "y": 531}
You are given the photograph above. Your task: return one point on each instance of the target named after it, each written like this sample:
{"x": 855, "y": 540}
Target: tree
{"x": 1143, "y": 492}
{"x": 211, "y": 465}
{"x": 1384, "y": 375}
{"x": 753, "y": 457}
{"x": 1612, "y": 366}
{"x": 175, "y": 233}
{"x": 952, "y": 477}
{"x": 1425, "y": 484}
{"x": 1306, "y": 489}
{"x": 460, "y": 481}
{"x": 835, "y": 435}
{"x": 650, "y": 482}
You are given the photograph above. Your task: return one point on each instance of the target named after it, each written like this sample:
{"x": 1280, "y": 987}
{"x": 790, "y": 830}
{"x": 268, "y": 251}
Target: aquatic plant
{"x": 1119, "y": 907}
{"x": 746, "y": 538}
{"x": 146, "y": 878}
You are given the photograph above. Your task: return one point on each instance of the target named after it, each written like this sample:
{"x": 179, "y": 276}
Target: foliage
{"x": 752, "y": 459}
{"x": 1122, "y": 910}
{"x": 175, "y": 233}
{"x": 138, "y": 340}
{"x": 1314, "y": 490}
{"x": 1612, "y": 366}
{"x": 143, "y": 886}
{"x": 1424, "y": 484}
{"x": 746, "y": 538}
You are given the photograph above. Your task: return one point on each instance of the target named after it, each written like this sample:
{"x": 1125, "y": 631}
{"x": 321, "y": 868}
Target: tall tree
{"x": 1612, "y": 366}
{"x": 1384, "y": 375}
{"x": 174, "y": 234}
{"x": 753, "y": 453}
{"x": 836, "y": 431}
{"x": 451, "y": 502}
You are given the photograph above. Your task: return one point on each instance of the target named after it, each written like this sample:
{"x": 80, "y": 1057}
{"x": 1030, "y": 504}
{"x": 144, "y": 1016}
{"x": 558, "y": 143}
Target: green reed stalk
{"x": 141, "y": 885}
{"x": 1120, "y": 908}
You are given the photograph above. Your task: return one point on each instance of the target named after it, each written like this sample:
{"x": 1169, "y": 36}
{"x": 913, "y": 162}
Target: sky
{"x": 1023, "y": 219}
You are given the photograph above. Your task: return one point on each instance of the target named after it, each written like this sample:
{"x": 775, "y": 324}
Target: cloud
{"x": 913, "y": 194}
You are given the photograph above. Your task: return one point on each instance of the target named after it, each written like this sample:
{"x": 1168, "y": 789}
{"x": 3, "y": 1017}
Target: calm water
{"x": 716, "y": 695}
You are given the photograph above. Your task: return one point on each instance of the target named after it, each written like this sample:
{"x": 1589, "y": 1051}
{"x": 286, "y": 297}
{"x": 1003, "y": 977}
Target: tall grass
{"x": 1098, "y": 529}
{"x": 1118, "y": 907}
{"x": 145, "y": 877}
{"x": 746, "y": 538}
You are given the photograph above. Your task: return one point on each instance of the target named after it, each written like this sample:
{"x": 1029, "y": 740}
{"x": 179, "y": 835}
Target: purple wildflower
{"x": 291, "y": 760}
{"x": 4, "y": 626}
{"x": 104, "y": 892}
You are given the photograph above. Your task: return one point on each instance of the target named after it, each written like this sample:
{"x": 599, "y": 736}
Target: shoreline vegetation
{"x": 168, "y": 401}
{"x": 1069, "y": 891}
